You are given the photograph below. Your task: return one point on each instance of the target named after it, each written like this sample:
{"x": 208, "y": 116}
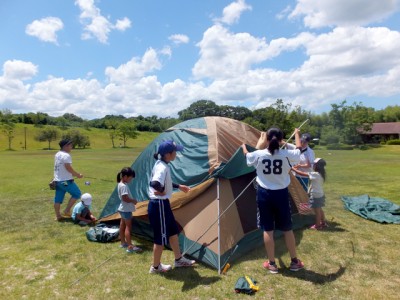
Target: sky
{"x": 94, "y": 58}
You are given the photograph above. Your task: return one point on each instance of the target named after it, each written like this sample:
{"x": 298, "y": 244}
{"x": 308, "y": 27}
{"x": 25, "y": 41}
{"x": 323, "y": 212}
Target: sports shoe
{"x": 316, "y": 227}
{"x": 134, "y": 249}
{"x": 324, "y": 225}
{"x": 273, "y": 268}
{"x": 123, "y": 245}
{"x": 296, "y": 266}
{"x": 184, "y": 262}
{"x": 161, "y": 269}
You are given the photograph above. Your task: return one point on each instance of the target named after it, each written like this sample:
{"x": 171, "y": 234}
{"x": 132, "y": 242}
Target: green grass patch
{"x": 44, "y": 259}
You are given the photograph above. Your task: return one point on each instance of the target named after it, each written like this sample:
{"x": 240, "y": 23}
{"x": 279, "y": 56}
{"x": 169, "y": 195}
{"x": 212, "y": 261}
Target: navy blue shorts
{"x": 162, "y": 220}
{"x": 274, "y": 209}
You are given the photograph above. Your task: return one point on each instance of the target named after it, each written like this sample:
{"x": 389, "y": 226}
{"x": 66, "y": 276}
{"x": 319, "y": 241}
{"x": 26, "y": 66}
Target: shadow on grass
{"x": 190, "y": 278}
{"x": 311, "y": 276}
{"x": 333, "y": 227}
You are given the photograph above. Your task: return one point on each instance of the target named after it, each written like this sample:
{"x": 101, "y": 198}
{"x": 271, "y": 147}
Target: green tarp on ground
{"x": 373, "y": 208}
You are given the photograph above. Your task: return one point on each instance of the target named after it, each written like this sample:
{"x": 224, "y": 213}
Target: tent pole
{"x": 219, "y": 230}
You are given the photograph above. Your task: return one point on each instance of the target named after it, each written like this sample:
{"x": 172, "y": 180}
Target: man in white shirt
{"x": 64, "y": 178}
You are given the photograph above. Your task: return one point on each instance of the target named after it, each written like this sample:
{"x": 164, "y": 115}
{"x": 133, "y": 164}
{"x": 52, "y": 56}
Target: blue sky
{"x": 156, "y": 57}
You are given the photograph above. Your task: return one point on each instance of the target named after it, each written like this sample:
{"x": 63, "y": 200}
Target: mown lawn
{"x": 43, "y": 259}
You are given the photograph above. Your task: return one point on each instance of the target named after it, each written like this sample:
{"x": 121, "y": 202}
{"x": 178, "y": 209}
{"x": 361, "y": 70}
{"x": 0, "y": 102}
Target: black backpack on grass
{"x": 103, "y": 233}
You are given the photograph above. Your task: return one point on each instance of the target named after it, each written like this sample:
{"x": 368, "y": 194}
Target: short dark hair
{"x": 64, "y": 142}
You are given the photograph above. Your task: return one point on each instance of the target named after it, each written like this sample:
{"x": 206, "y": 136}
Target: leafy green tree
{"x": 234, "y": 112}
{"x": 47, "y": 135}
{"x": 78, "y": 139}
{"x": 127, "y": 130}
{"x": 112, "y": 125}
{"x": 198, "y": 109}
{"x": 7, "y": 125}
{"x": 349, "y": 119}
{"x": 276, "y": 115}
{"x": 9, "y": 130}
{"x": 72, "y": 118}
{"x": 329, "y": 135}
{"x": 388, "y": 114}
{"x": 166, "y": 123}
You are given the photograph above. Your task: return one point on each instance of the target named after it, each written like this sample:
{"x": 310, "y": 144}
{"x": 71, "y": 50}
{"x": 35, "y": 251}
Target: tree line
{"x": 341, "y": 124}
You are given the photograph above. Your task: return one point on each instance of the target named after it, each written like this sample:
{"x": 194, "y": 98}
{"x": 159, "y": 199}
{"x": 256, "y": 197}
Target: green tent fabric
{"x": 373, "y": 208}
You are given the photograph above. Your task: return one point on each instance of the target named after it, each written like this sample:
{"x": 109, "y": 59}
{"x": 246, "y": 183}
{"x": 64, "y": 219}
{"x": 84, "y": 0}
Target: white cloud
{"x": 135, "y": 68}
{"x": 352, "y": 52}
{"x": 225, "y": 55}
{"x": 179, "y": 39}
{"x": 96, "y": 25}
{"x": 123, "y": 24}
{"x": 18, "y": 69}
{"x": 45, "y": 29}
{"x": 233, "y": 68}
{"x": 343, "y": 12}
{"x": 166, "y": 50}
{"x": 231, "y": 13}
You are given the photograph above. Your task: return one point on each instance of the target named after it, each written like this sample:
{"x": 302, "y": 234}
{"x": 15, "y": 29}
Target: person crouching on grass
{"x": 125, "y": 209}
{"x": 161, "y": 218}
{"x": 81, "y": 213}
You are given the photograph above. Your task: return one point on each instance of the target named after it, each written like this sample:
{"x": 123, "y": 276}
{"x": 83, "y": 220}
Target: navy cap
{"x": 306, "y": 137}
{"x": 168, "y": 147}
{"x": 64, "y": 142}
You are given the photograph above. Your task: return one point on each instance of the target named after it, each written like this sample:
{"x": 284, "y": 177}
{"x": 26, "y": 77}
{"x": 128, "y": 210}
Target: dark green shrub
{"x": 339, "y": 147}
{"x": 393, "y": 142}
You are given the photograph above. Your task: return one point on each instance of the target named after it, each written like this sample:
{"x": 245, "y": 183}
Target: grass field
{"x": 43, "y": 259}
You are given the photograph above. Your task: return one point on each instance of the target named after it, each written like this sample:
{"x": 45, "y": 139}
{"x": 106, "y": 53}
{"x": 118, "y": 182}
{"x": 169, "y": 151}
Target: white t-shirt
{"x": 123, "y": 189}
{"x": 273, "y": 170}
{"x": 317, "y": 181}
{"x": 307, "y": 156}
{"x": 60, "y": 172}
{"x": 162, "y": 174}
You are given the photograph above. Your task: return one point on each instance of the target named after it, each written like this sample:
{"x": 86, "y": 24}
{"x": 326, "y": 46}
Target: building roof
{"x": 384, "y": 128}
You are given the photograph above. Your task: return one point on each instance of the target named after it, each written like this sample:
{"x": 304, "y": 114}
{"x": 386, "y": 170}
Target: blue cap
{"x": 168, "y": 147}
{"x": 306, "y": 137}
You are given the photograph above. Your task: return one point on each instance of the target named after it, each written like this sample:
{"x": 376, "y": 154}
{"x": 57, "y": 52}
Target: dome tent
{"x": 213, "y": 165}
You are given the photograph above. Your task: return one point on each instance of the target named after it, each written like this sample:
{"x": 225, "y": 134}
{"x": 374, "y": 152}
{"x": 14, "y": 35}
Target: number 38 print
{"x": 273, "y": 166}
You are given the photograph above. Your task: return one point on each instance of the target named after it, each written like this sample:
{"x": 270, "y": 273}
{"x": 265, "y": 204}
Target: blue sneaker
{"x": 134, "y": 249}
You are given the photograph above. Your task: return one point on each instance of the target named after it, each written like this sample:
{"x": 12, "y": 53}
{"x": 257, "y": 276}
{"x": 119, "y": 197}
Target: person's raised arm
{"x": 297, "y": 137}
{"x": 262, "y": 141}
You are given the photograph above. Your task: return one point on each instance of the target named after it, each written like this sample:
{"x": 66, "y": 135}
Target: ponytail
{"x": 274, "y": 137}
{"x": 127, "y": 171}
{"x": 155, "y": 155}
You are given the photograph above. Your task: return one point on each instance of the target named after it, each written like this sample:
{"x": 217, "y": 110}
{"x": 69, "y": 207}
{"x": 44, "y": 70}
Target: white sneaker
{"x": 184, "y": 262}
{"x": 161, "y": 269}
